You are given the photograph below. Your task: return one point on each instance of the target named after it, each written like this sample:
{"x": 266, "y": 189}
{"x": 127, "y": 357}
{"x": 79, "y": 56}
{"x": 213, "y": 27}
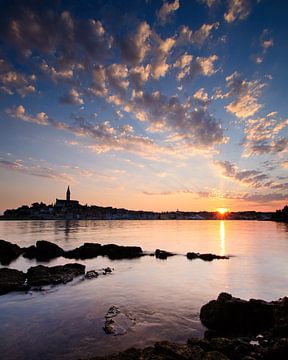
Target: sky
{"x": 153, "y": 105}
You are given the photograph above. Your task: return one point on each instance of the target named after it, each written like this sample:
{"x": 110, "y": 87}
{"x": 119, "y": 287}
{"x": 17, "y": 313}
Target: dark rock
{"x": 281, "y": 317}
{"x": 92, "y": 274}
{"x": 11, "y": 280}
{"x": 8, "y": 252}
{"x": 86, "y": 251}
{"x": 205, "y": 257}
{"x": 192, "y": 255}
{"x": 121, "y": 252}
{"x": 162, "y": 254}
{"x": 91, "y": 250}
{"x": 43, "y": 251}
{"x": 229, "y": 314}
{"x": 43, "y": 275}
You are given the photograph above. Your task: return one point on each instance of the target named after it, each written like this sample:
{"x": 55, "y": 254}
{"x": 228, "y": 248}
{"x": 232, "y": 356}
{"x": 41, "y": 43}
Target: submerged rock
{"x": 8, "y": 252}
{"x": 117, "y": 322}
{"x": 92, "y": 274}
{"x": 162, "y": 254}
{"x": 43, "y": 251}
{"x": 43, "y": 275}
{"x": 12, "y": 280}
{"x": 229, "y": 314}
{"x": 205, "y": 257}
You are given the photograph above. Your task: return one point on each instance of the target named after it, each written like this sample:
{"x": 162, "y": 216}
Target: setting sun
{"x": 222, "y": 211}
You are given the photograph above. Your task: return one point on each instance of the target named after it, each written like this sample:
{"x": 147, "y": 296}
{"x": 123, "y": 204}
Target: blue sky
{"x": 153, "y": 105}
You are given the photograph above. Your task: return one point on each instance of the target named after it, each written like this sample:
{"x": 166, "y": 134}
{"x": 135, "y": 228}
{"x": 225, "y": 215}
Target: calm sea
{"x": 165, "y": 296}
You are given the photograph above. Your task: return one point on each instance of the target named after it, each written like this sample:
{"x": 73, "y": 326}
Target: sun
{"x": 222, "y": 211}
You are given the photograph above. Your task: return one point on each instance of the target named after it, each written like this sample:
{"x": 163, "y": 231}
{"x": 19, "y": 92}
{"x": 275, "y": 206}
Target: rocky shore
{"x": 237, "y": 330}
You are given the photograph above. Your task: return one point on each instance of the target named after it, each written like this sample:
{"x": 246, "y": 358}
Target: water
{"x": 165, "y": 296}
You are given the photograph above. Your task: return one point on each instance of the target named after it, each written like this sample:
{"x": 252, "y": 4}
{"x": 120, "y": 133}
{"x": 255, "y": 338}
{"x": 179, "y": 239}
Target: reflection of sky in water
{"x": 67, "y": 321}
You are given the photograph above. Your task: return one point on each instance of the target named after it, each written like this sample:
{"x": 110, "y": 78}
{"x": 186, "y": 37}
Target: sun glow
{"x": 222, "y": 211}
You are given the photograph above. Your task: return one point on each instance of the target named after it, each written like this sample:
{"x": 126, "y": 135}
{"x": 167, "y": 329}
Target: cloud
{"x": 266, "y": 41}
{"x": 210, "y": 3}
{"x": 195, "y": 128}
{"x": 159, "y": 67}
{"x": 33, "y": 29}
{"x": 263, "y": 135}
{"x": 117, "y": 77}
{"x": 135, "y": 46}
{"x": 36, "y": 170}
{"x": 103, "y": 136}
{"x": 237, "y": 9}
{"x": 201, "y": 97}
{"x": 167, "y": 9}
{"x": 201, "y": 66}
{"x": 198, "y": 37}
{"x": 12, "y": 81}
{"x": 73, "y": 98}
{"x": 140, "y": 75}
{"x": 245, "y": 93}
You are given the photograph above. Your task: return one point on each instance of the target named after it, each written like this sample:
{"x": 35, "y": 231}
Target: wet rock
{"x": 205, "y": 257}
{"x": 162, "y": 254}
{"x": 8, "y": 252}
{"x": 12, "y": 280}
{"x": 121, "y": 252}
{"x": 86, "y": 251}
{"x": 229, "y": 314}
{"x": 43, "y": 251}
{"x": 91, "y": 274}
{"x": 117, "y": 322}
{"x": 91, "y": 250}
{"x": 43, "y": 275}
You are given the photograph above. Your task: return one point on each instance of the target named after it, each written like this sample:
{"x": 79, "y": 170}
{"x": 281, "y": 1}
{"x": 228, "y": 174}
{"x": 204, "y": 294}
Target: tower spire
{"x": 68, "y": 194}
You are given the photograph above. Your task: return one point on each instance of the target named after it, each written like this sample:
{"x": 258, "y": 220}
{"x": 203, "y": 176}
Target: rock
{"x": 117, "y": 322}
{"x": 205, "y": 257}
{"x": 43, "y": 251}
{"x": 8, "y": 252}
{"x": 92, "y": 274}
{"x": 281, "y": 317}
{"x": 121, "y": 252}
{"x": 91, "y": 250}
{"x": 12, "y": 280}
{"x": 43, "y": 275}
{"x": 210, "y": 257}
{"x": 229, "y": 314}
{"x": 86, "y": 251}
{"x": 162, "y": 254}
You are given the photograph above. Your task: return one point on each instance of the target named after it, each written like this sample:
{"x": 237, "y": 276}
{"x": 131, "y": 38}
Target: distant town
{"x": 68, "y": 209}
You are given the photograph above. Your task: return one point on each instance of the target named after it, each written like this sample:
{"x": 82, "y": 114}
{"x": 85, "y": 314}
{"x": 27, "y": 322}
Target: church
{"x": 68, "y": 203}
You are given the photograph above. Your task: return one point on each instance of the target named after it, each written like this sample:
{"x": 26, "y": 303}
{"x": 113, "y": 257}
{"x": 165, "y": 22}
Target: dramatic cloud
{"x": 197, "y": 128}
{"x": 201, "y": 97}
{"x": 167, "y": 9}
{"x": 201, "y": 66}
{"x": 159, "y": 66}
{"x": 237, "y": 9}
{"x": 245, "y": 93}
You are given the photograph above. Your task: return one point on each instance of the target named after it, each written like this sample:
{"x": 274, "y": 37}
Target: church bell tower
{"x": 68, "y": 195}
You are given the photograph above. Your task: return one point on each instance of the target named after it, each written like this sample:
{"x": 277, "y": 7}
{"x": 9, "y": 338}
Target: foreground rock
{"x": 43, "y": 275}
{"x": 117, "y": 322}
{"x": 8, "y": 252}
{"x": 91, "y": 250}
{"x": 11, "y": 280}
{"x": 92, "y": 274}
{"x": 205, "y": 257}
{"x": 231, "y": 315}
{"x": 162, "y": 254}
{"x": 43, "y": 251}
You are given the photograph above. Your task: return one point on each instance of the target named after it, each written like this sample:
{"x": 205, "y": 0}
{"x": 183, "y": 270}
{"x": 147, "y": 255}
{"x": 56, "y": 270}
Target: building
{"x": 67, "y": 203}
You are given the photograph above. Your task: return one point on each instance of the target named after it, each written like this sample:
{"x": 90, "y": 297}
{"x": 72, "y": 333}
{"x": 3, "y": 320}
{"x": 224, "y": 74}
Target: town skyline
{"x": 150, "y": 105}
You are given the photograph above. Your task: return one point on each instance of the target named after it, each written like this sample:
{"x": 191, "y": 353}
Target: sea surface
{"x": 165, "y": 296}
